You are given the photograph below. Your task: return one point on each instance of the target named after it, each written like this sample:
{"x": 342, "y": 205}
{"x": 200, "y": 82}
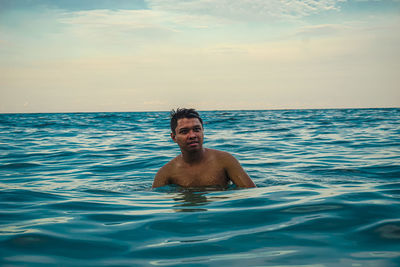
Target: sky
{"x": 151, "y": 55}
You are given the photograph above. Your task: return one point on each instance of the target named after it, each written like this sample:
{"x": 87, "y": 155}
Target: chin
{"x": 196, "y": 148}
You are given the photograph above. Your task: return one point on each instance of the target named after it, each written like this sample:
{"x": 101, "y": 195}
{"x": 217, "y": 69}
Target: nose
{"x": 192, "y": 134}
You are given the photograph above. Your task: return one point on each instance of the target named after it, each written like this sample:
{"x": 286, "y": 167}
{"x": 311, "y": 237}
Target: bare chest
{"x": 200, "y": 176}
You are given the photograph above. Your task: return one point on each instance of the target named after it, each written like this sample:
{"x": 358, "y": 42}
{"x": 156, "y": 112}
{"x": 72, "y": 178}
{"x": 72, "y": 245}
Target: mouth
{"x": 193, "y": 143}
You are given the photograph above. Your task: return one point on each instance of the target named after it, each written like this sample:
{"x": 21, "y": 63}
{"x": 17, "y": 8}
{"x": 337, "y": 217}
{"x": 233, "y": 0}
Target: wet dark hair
{"x": 181, "y": 113}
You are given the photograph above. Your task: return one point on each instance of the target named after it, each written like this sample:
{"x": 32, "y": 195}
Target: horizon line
{"x": 200, "y": 110}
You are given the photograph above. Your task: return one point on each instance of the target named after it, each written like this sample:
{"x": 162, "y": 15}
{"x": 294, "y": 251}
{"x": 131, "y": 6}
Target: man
{"x": 197, "y": 166}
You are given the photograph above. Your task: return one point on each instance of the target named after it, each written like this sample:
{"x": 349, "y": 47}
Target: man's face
{"x": 189, "y": 134}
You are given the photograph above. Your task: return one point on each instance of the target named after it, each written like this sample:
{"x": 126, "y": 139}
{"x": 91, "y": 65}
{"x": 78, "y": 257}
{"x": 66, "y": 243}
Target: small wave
{"x": 54, "y": 245}
{"x": 114, "y": 219}
{"x": 85, "y": 206}
{"x": 134, "y": 165}
{"x": 101, "y": 192}
{"x": 22, "y": 165}
{"x": 382, "y": 232}
{"x": 45, "y": 124}
{"x": 24, "y": 195}
{"x": 312, "y": 208}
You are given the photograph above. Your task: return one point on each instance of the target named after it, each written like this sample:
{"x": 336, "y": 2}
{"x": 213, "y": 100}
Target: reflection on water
{"x": 189, "y": 201}
{"x": 190, "y": 198}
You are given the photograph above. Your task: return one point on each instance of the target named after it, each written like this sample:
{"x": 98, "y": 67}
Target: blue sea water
{"x": 75, "y": 190}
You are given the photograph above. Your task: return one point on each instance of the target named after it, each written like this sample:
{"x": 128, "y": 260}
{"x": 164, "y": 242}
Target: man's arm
{"x": 161, "y": 177}
{"x": 236, "y": 173}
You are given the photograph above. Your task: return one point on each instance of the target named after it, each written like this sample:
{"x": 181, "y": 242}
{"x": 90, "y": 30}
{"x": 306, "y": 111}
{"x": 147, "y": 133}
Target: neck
{"x": 193, "y": 156}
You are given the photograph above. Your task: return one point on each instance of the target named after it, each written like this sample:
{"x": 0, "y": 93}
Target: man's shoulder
{"x": 172, "y": 162}
{"x": 169, "y": 166}
{"x": 165, "y": 173}
{"x": 220, "y": 155}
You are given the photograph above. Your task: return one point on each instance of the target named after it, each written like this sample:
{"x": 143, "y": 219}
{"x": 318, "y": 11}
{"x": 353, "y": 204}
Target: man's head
{"x": 187, "y": 129}
{"x": 181, "y": 113}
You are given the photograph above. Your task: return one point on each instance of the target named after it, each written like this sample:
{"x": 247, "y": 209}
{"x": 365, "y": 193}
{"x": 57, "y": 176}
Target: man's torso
{"x": 209, "y": 172}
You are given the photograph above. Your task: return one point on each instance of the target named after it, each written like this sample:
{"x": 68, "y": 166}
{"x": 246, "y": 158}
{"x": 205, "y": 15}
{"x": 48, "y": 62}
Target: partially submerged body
{"x": 215, "y": 168}
{"x": 198, "y": 166}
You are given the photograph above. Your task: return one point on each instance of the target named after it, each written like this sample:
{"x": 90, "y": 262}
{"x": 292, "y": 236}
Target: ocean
{"x": 75, "y": 190}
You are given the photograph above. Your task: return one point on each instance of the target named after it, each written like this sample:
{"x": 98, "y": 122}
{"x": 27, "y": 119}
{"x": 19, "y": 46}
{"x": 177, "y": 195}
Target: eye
{"x": 197, "y": 129}
{"x": 183, "y": 131}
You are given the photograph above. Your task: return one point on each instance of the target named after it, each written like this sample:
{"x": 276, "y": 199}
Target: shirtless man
{"x": 198, "y": 166}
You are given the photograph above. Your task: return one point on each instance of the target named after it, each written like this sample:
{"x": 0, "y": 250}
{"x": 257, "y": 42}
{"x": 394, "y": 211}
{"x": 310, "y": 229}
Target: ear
{"x": 173, "y": 137}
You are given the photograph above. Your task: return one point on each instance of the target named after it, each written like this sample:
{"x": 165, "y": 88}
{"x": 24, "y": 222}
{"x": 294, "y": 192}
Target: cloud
{"x": 73, "y": 5}
{"x": 321, "y": 30}
{"x": 116, "y": 27}
{"x": 166, "y": 17}
{"x": 103, "y": 17}
{"x": 247, "y": 10}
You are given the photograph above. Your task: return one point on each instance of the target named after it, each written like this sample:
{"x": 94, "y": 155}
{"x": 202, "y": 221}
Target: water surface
{"x": 75, "y": 190}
